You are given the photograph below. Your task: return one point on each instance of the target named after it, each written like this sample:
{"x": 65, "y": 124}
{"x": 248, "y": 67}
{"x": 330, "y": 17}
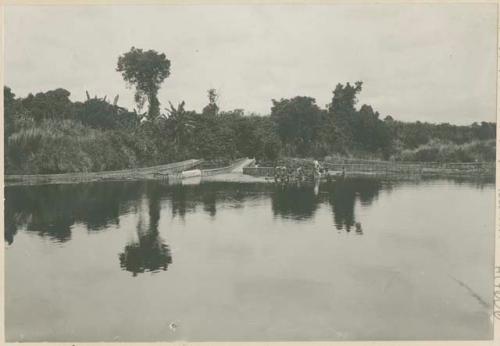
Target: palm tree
{"x": 180, "y": 124}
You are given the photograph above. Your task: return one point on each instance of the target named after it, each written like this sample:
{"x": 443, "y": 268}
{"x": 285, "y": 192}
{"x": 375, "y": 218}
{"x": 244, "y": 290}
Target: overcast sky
{"x": 418, "y": 62}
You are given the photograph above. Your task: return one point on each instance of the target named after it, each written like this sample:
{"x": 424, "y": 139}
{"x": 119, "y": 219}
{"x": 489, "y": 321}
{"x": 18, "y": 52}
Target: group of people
{"x": 286, "y": 175}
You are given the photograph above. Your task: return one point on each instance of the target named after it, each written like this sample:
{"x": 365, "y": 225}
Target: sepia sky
{"x": 418, "y": 62}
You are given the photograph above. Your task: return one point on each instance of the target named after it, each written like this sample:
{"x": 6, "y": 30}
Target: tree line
{"x": 48, "y": 133}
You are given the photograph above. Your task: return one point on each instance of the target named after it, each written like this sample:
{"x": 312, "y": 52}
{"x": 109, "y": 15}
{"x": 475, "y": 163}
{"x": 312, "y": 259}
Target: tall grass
{"x": 438, "y": 151}
{"x": 68, "y": 146}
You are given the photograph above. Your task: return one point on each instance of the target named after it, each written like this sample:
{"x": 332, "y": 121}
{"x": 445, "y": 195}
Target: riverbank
{"x": 80, "y": 177}
{"x": 374, "y": 168}
{"x": 169, "y": 172}
{"x": 244, "y": 171}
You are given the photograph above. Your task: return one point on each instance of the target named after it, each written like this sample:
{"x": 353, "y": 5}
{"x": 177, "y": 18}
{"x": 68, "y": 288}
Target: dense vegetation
{"x": 48, "y": 133}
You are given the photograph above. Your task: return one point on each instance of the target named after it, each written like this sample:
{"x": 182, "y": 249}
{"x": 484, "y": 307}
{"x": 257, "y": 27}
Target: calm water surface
{"x": 143, "y": 261}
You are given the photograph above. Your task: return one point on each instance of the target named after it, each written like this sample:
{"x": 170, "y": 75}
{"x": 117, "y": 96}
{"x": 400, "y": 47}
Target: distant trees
{"x": 358, "y": 130}
{"x": 299, "y": 121}
{"x": 343, "y": 114}
{"x": 483, "y": 131}
{"x": 256, "y": 137}
{"x": 212, "y": 108}
{"x": 99, "y": 114}
{"x": 345, "y": 98}
{"x": 410, "y": 135}
{"x": 439, "y": 151}
{"x": 9, "y": 101}
{"x": 48, "y": 133}
{"x": 371, "y": 133}
{"x": 53, "y": 104}
{"x": 146, "y": 70}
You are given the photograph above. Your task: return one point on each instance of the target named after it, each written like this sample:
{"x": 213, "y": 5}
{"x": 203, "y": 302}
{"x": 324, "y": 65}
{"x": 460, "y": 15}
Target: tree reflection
{"x": 179, "y": 197}
{"x": 12, "y": 221}
{"x": 342, "y": 195}
{"x": 209, "y": 199}
{"x": 183, "y": 199}
{"x": 359, "y": 228}
{"x": 186, "y": 198}
{"x": 149, "y": 253}
{"x": 296, "y": 202}
{"x": 51, "y": 210}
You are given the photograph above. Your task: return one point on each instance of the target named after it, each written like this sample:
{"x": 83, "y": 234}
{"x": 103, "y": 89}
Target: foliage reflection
{"x": 51, "y": 211}
{"x": 149, "y": 253}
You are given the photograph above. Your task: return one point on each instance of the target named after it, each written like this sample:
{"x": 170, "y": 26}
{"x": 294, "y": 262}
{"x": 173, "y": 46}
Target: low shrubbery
{"x": 437, "y": 151}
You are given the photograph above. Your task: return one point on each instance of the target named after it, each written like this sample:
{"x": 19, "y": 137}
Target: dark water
{"x": 356, "y": 260}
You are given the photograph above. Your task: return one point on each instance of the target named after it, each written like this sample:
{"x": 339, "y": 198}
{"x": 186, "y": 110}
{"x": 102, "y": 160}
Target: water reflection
{"x": 359, "y": 229}
{"x": 342, "y": 197}
{"x": 246, "y": 258}
{"x": 179, "y": 200}
{"x": 149, "y": 253}
{"x": 186, "y": 199}
{"x": 301, "y": 202}
{"x": 296, "y": 202}
{"x": 51, "y": 210}
{"x": 209, "y": 199}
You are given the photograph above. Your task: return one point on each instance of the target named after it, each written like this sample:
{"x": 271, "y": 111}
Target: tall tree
{"x": 211, "y": 108}
{"x": 146, "y": 70}
{"x": 298, "y": 121}
{"x": 342, "y": 110}
{"x": 345, "y": 97}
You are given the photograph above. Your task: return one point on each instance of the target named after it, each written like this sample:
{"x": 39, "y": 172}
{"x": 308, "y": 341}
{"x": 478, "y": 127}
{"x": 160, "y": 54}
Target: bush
{"x": 435, "y": 151}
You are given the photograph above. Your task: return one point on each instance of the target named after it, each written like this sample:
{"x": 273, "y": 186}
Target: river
{"x": 359, "y": 259}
